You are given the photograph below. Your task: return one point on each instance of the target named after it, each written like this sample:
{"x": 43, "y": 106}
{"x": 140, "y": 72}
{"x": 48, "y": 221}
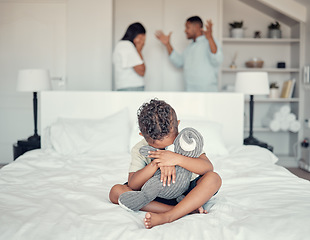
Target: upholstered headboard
{"x": 224, "y": 108}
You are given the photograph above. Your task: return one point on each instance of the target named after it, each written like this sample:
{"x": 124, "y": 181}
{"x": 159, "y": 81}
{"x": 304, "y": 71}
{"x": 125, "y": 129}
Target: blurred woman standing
{"x": 128, "y": 61}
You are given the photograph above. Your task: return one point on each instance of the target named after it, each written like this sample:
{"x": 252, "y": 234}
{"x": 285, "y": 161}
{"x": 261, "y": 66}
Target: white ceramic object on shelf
{"x": 274, "y": 93}
{"x": 237, "y": 32}
{"x": 274, "y": 33}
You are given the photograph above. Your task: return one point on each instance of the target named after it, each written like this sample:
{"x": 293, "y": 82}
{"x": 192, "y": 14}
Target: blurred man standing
{"x": 200, "y": 60}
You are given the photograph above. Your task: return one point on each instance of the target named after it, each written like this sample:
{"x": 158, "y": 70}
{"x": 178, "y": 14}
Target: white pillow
{"x": 212, "y": 135}
{"x": 211, "y": 132}
{"x": 96, "y": 136}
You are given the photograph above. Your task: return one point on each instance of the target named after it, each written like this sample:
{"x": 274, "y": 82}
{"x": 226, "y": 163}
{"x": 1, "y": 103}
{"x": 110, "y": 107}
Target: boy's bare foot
{"x": 154, "y": 219}
{"x": 199, "y": 210}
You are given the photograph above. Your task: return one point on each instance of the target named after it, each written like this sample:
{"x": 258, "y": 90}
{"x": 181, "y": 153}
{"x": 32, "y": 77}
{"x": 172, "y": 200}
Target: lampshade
{"x": 33, "y": 80}
{"x": 252, "y": 83}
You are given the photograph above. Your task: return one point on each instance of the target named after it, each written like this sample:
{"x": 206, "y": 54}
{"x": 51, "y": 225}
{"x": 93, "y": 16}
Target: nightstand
{"x": 23, "y": 146}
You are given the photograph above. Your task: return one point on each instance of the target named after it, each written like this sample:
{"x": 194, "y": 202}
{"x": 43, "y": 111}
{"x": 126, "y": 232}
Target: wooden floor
{"x": 300, "y": 173}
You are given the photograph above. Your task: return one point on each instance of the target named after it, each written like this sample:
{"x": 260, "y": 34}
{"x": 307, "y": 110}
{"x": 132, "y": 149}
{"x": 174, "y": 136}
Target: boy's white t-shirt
{"x": 125, "y": 57}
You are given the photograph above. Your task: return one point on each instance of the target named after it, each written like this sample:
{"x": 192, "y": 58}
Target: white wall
{"x": 89, "y": 44}
{"x": 71, "y": 38}
{"x": 32, "y": 36}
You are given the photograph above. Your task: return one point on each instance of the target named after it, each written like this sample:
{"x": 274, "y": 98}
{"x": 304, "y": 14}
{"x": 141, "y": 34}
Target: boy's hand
{"x": 164, "y": 158}
{"x": 167, "y": 174}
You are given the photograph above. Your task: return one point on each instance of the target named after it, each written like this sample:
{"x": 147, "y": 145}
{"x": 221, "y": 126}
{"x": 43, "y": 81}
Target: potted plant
{"x": 274, "y": 90}
{"x": 236, "y": 30}
{"x": 274, "y": 30}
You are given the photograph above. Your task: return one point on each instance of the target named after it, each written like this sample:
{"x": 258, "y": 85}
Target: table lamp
{"x": 33, "y": 80}
{"x": 253, "y": 83}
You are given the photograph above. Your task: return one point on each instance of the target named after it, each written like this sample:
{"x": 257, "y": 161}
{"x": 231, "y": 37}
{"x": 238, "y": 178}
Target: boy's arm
{"x": 199, "y": 165}
{"x": 138, "y": 178}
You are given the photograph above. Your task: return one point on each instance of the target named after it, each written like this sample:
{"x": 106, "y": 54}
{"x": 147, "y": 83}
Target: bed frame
{"x": 225, "y": 108}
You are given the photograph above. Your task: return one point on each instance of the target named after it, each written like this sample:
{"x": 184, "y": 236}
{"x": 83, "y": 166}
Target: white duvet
{"x": 45, "y": 196}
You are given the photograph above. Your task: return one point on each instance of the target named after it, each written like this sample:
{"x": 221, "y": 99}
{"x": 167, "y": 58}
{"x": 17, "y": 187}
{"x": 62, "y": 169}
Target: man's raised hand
{"x": 165, "y": 39}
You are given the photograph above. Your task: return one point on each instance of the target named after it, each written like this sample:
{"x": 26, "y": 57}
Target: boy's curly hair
{"x": 157, "y": 119}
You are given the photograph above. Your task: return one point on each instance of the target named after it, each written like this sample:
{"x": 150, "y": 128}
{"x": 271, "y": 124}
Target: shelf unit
{"x": 261, "y": 40}
{"x": 269, "y": 70}
{"x": 262, "y": 129}
{"x": 288, "y": 49}
{"x": 275, "y": 100}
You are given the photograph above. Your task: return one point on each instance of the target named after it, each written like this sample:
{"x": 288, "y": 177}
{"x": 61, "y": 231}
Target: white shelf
{"x": 271, "y": 100}
{"x": 261, "y": 40}
{"x": 258, "y": 129}
{"x": 270, "y": 70}
{"x": 265, "y": 129}
{"x": 289, "y": 49}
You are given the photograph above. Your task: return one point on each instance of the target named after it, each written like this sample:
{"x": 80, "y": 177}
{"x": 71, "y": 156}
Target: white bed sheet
{"x": 46, "y": 196}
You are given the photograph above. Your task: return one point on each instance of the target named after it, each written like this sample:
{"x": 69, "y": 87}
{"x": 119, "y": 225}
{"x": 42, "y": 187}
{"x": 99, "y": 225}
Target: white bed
{"x": 61, "y": 192}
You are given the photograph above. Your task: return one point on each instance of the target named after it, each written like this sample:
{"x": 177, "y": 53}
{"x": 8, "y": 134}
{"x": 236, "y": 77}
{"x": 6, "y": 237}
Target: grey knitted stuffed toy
{"x": 189, "y": 142}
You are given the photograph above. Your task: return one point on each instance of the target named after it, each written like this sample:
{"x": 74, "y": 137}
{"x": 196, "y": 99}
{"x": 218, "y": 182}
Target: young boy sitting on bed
{"x": 159, "y": 126}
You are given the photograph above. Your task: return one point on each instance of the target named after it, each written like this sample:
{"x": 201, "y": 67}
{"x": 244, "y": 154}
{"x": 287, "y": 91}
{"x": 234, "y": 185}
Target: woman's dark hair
{"x": 157, "y": 119}
{"x": 195, "y": 19}
{"x": 133, "y": 30}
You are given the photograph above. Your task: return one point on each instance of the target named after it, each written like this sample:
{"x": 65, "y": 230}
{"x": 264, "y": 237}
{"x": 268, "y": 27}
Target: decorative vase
{"x": 274, "y": 93}
{"x": 237, "y": 32}
{"x": 274, "y": 33}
